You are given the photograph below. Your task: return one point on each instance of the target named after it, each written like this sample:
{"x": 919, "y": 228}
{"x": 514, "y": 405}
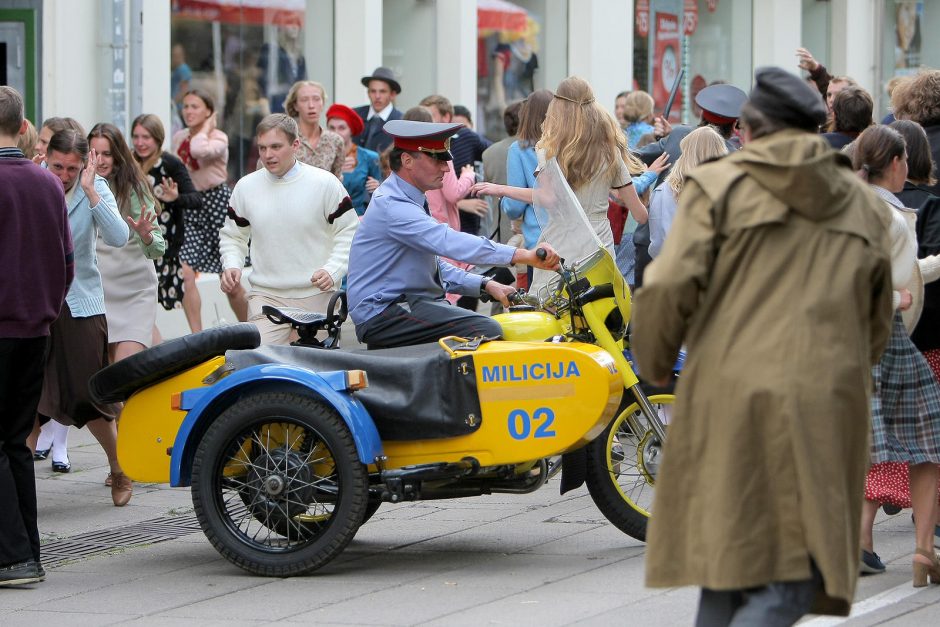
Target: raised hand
{"x": 145, "y": 226}
{"x": 87, "y": 179}
{"x": 661, "y": 163}
{"x": 807, "y": 62}
{"x": 169, "y": 190}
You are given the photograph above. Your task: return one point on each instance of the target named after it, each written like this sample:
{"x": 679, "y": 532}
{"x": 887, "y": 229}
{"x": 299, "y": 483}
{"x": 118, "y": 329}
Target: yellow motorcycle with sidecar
{"x": 289, "y": 450}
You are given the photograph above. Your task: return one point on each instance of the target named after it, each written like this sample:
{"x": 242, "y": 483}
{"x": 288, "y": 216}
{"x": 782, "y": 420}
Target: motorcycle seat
{"x": 116, "y": 383}
{"x": 295, "y": 316}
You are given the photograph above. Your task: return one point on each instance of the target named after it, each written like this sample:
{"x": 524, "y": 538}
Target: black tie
{"x": 427, "y": 209}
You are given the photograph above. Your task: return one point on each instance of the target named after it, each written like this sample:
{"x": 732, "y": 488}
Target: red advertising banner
{"x": 690, "y": 16}
{"x": 666, "y": 62}
{"x": 643, "y": 17}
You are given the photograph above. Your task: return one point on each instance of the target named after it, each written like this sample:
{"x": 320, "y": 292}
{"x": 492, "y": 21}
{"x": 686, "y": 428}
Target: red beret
{"x": 348, "y": 115}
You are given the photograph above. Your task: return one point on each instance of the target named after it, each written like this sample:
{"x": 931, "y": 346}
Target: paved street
{"x": 538, "y": 559}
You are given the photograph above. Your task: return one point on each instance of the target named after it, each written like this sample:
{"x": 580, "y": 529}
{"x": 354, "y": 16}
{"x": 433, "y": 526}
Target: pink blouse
{"x": 205, "y": 156}
{"x": 443, "y": 202}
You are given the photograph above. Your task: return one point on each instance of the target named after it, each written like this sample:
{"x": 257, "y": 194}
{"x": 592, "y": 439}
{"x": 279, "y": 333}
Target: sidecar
{"x": 288, "y": 450}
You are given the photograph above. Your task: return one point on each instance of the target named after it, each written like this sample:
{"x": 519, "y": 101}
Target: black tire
{"x": 278, "y": 487}
{"x": 621, "y": 472}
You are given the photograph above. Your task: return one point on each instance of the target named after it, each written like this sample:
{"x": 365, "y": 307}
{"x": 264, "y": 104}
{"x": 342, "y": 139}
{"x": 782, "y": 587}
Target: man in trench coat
{"x": 776, "y": 276}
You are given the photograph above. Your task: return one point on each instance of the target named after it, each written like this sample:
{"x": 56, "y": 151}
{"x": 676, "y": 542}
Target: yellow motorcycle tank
{"x": 528, "y": 326}
{"x": 537, "y": 400}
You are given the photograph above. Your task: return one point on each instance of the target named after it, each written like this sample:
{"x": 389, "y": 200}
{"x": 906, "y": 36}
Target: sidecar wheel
{"x": 622, "y": 468}
{"x": 278, "y": 487}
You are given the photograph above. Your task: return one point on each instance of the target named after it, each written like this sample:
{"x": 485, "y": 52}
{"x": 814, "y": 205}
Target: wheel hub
{"x": 650, "y": 451}
{"x": 279, "y": 481}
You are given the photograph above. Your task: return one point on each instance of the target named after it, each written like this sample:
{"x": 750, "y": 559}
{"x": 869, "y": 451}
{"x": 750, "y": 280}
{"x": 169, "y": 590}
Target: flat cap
{"x": 783, "y": 96}
{"x": 383, "y": 74}
{"x": 431, "y": 138}
{"x": 721, "y": 104}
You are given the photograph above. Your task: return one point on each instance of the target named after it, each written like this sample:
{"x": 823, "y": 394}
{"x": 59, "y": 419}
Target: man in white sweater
{"x": 298, "y": 221}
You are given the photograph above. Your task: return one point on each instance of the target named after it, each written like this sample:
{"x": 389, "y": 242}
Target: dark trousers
{"x": 778, "y": 604}
{"x": 22, "y": 363}
{"x": 423, "y": 320}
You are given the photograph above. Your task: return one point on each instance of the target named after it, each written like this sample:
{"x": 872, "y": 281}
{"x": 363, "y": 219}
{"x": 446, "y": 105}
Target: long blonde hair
{"x": 581, "y": 134}
{"x": 697, "y": 147}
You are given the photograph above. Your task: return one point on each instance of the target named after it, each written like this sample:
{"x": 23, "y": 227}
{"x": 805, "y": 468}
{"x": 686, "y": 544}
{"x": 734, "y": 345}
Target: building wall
{"x": 432, "y": 44}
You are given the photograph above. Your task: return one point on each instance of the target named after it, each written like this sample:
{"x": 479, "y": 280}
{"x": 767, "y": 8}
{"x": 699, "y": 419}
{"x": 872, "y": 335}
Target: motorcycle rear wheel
{"x": 278, "y": 487}
{"x": 622, "y": 467}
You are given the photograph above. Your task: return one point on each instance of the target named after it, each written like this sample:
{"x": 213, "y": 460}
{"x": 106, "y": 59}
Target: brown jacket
{"x": 776, "y": 275}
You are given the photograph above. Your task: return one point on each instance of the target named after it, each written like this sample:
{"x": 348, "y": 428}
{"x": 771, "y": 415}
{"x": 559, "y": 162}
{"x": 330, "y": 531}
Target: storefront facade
{"x": 112, "y": 60}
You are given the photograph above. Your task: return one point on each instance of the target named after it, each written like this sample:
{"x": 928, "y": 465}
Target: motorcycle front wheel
{"x": 278, "y": 487}
{"x": 623, "y": 463}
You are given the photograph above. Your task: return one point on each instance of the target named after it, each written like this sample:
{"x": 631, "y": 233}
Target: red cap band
{"x": 713, "y": 118}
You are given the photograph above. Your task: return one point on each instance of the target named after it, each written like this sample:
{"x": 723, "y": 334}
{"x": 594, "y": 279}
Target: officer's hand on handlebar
{"x": 500, "y": 292}
{"x": 543, "y": 257}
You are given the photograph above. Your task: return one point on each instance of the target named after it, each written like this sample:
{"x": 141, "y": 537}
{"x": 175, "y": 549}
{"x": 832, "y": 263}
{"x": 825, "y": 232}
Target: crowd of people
{"x": 786, "y": 238}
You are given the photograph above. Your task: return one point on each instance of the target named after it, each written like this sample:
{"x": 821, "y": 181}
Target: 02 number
{"x": 520, "y": 423}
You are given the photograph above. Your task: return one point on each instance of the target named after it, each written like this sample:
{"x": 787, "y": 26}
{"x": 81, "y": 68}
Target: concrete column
{"x": 777, "y": 33}
{"x": 358, "y": 25}
{"x": 854, "y": 31}
{"x": 457, "y": 45}
{"x": 155, "y": 62}
{"x": 320, "y": 45}
{"x": 600, "y": 46}
{"x": 71, "y": 80}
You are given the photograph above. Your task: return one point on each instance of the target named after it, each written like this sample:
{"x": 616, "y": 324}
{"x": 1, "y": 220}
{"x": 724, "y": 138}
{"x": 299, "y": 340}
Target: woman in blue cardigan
{"x": 78, "y": 345}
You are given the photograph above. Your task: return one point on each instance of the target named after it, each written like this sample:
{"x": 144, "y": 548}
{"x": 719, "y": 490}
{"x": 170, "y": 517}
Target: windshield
{"x": 562, "y": 221}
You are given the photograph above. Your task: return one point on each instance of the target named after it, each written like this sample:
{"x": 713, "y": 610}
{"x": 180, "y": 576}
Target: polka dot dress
{"x": 889, "y": 482}
{"x": 201, "y": 243}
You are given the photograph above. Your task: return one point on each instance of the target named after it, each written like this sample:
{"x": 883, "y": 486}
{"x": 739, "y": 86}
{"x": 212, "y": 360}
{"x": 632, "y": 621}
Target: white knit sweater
{"x": 287, "y": 223}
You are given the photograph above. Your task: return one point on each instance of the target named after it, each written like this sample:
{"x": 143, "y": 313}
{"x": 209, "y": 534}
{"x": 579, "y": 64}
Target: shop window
{"x": 707, "y": 41}
{"x": 521, "y": 47}
{"x": 246, "y": 55}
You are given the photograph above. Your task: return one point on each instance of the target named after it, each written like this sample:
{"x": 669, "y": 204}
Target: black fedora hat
{"x": 383, "y": 74}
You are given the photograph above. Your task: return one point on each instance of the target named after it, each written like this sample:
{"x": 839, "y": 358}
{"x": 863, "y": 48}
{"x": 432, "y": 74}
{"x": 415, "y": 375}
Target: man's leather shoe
{"x": 20, "y": 574}
{"x": 121, "y": 489}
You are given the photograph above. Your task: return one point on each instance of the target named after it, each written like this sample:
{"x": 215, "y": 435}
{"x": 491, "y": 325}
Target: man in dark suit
{"x": 383, "y": 88}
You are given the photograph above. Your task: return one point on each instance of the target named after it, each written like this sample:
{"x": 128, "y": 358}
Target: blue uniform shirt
{"x": 395, "y": 252}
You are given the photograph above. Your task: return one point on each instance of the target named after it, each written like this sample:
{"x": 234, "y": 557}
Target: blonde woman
{"x": 322, "y": 149}
{"x": 637, "y": 113}
{"x": 592, "y": 153}
{"x": 699, "y": 146}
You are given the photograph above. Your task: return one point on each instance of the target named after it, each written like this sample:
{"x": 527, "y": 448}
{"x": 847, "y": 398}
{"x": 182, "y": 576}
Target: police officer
{"x": 721, "y": 107}
{"x": 396, "y": 282}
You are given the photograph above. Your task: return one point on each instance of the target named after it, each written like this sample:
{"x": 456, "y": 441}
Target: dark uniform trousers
{"x": 418, "y": 320}
{"x": 777, "y": 604}
{"x": 22, "y": 364}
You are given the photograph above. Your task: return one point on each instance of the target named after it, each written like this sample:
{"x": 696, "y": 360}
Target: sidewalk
{"x": 537, "y": 559}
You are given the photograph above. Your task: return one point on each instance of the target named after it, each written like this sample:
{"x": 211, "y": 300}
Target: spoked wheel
{"x": 278, "y": 487}
{"x": 622, "y": 467}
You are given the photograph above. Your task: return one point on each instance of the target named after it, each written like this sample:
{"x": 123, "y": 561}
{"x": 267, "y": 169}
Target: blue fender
{"x": 330, "y": 386}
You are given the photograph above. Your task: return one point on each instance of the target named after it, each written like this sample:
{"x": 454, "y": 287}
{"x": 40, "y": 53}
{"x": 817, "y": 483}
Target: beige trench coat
{"x": 776, "y": 275}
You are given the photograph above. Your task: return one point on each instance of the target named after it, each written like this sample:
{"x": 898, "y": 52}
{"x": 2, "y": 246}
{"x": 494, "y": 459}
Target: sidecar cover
{"x": 414, "y": 393}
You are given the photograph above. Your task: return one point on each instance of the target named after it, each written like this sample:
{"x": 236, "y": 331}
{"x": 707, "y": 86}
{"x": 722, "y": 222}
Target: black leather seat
{"x": 118, "y": 381}
{"x": 415, "y": 392}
